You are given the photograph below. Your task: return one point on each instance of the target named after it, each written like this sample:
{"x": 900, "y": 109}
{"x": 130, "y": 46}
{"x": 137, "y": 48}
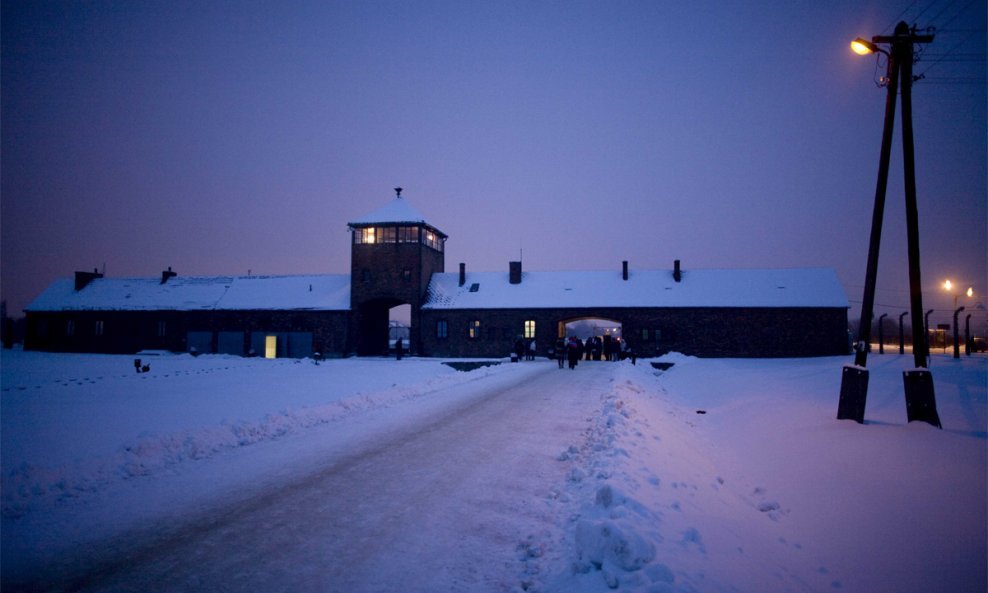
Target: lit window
{"x": 529, "y": 329}
{"x": 473, "y": 330}
{"x": 270, "y": 346}
{"x": 432, "y": 240}
{"x": 365, "y": 235}
{"x": 442, "y": 329}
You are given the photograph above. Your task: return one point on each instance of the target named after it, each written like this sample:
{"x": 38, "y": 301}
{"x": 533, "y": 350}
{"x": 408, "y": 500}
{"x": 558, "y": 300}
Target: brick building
{"x": 398, "y": 258}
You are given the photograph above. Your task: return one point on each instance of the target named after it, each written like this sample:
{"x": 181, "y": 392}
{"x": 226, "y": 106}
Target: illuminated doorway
{"x": 601, "y": 337}
{"x": 588, "y": 327}
{"x": 270, "y": 346}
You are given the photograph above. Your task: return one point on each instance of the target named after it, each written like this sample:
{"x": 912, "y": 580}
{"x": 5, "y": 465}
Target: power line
{"x": 944, "y": 56}
{"x": 959, "y": 13}
{"x": 944, "y": 9}
{"x": 955, "y": 81}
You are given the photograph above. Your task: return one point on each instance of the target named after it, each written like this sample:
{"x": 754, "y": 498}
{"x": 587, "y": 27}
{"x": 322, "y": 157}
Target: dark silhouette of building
{"x": 398, "y": 258}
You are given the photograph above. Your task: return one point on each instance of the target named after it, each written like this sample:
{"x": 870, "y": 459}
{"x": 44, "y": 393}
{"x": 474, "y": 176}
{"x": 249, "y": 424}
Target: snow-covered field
{"x": 716, "y": 475}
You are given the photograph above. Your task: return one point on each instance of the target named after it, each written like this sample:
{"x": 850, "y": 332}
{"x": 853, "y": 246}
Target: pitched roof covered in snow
{"x": 396, "y": 211}
{"x": 813, "y": 287}
{"x": 213, "y": 293}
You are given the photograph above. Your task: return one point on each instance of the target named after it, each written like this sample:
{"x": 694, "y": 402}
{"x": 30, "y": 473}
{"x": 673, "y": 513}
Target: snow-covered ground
{"x": 716, "y": 475}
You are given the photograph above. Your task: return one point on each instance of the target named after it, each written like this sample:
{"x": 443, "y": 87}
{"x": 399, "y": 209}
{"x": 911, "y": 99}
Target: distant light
{"x": 970, "y": 292}
{"x": 948, "y": 285}
{"x": 862, "y": 47}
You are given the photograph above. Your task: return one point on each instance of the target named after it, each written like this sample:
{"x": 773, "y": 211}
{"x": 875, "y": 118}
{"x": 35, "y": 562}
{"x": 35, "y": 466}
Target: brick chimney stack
{"x": 514, "y": 272}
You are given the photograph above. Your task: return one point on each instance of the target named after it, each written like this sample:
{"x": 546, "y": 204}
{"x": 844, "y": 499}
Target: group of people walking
{"x": 574, "y": 349}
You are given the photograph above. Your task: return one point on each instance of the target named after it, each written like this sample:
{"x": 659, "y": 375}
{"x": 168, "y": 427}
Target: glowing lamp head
{"x": 948, "y": 285}
{"x": 862, "y": 47}
{"x": 970, "y": 292}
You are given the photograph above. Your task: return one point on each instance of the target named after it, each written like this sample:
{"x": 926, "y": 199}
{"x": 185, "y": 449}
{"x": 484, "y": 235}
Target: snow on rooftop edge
{"x": 191, "y": 293}
{"x": 801, "y": 287}
{"x": 809, "y": 287}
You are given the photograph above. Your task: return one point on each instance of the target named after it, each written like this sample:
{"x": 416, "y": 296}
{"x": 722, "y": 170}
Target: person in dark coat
{"x": 399, "y": 347}
{"x": 573, "y": 352}
{"x": 560, "y": 351}
{"x": 520, "y": 348}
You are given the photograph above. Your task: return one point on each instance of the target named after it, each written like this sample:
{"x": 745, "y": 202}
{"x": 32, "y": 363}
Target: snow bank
{"x": 735, "y": 476}
{"x": 72, "y": 424}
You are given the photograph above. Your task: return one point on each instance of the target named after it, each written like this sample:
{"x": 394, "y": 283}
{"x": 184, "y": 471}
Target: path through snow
{"x": 442, "y": 506}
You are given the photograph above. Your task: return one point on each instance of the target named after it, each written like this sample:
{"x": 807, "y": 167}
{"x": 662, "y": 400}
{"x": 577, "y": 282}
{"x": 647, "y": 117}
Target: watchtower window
{"x": 388, "y": 234}
{"x": 433, "y": 240}
{"x": 408, "y": 234}
{"x": 365, "y": 235}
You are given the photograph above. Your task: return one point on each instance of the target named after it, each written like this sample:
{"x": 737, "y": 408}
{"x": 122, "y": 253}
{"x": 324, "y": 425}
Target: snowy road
{"x": 441, "y": 506}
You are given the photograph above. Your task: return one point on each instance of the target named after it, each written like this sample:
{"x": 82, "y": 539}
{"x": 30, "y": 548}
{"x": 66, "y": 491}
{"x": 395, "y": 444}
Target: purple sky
{"x": 220, "y": 137}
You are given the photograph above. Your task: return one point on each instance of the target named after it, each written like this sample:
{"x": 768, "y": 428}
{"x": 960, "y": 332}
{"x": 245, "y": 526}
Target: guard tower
{"x": 393, "y": 254}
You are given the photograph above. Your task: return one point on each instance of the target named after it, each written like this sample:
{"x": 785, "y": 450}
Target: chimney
{"x": 167, "y": 274}
{"x": 514, "y": 272}
{"x": 677, "y": 274}
{"x": 84, "y": 278}
{"x": 624, "y": 269}
{"x": 463, "y": 274}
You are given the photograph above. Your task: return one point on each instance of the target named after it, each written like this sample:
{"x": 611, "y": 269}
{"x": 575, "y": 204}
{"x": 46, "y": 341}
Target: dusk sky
{"x": 219, "y": 137}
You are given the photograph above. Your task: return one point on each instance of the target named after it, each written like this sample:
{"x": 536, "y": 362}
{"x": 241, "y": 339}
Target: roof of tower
{"x": 398, "y": 210}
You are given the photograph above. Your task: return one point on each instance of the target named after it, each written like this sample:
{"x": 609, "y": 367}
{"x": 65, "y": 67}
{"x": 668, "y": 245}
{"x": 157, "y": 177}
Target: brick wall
{"x": 713, "y": 332}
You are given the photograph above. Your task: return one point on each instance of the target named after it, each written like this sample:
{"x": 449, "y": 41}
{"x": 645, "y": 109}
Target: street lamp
{"x": 918, "y": 383}
{"x": 863, "y": 47}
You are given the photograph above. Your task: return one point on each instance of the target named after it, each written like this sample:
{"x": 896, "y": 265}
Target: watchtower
{"x": 393, "y": 254}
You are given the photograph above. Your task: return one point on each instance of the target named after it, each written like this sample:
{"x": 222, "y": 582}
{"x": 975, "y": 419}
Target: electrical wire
{"x": 946, "y": 54}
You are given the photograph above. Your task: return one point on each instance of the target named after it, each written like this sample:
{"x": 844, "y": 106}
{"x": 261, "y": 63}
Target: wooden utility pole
{"x": 918, "y": 383}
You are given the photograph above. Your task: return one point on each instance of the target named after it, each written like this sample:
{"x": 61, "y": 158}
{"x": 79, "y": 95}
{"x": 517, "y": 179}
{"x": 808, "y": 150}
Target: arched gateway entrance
{"x": 601, "y": 337}
{"x": 376, "y": 328}
{"x": 585, "y": 327}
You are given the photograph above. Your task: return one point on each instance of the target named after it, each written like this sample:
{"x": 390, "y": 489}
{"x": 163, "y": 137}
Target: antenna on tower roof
{"x": 398, "y": 191}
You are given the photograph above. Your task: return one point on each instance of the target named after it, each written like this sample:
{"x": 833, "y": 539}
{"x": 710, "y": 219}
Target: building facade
{"x": 398, "y": 258}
